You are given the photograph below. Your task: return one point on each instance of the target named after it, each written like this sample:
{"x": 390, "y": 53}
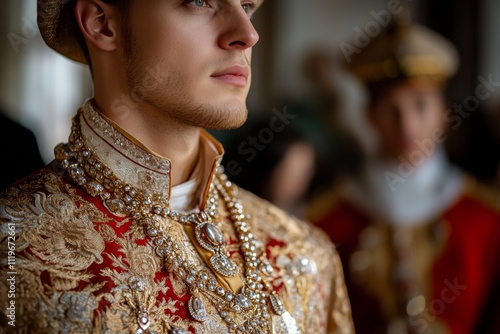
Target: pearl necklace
{"x": 245, "y": 312}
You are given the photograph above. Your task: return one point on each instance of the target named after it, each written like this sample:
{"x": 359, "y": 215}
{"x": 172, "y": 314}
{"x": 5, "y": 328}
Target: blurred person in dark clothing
{"x": 20, "y": 152}
{"x": 485, "y": 138}
{"x": 277, "y": 166}
{"x": 318, "y": 114}
{"x": 419, "y": 237}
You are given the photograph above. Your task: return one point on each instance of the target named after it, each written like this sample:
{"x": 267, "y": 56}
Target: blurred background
{"x": 304, "y": 46}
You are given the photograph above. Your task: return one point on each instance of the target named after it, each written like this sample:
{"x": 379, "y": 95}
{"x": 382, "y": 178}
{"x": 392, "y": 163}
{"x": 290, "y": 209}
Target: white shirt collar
{"x": 423, "y": 195}
{"x": 145, "y": 170}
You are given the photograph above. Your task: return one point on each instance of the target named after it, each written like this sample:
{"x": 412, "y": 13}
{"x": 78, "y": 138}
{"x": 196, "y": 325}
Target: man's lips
{"x": 235, "y": 75}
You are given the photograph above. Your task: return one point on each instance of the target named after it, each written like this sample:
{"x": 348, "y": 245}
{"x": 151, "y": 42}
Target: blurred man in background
{"x": 419, "y": 238}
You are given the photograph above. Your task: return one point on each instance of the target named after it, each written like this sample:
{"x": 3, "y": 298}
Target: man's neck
{"x": 161, "y": 136}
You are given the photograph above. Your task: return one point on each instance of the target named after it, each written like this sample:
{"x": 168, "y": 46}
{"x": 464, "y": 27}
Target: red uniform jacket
{"x": 440, "y": 277}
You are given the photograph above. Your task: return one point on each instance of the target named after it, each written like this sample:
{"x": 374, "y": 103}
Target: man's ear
{"x": 98, "y": 23}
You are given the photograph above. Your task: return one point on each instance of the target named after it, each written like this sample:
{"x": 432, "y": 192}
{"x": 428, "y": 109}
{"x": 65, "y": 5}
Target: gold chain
{"x": 245, "y": 312}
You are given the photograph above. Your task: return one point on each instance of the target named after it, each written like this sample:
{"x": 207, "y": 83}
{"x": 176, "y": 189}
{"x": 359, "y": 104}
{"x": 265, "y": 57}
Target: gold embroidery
{"x": 84, "y": 269}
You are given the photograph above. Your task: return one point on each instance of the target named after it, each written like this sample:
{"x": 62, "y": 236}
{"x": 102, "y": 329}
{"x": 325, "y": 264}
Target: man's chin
{"x": 228, "y": 116}
{"x": 228, "y": 124}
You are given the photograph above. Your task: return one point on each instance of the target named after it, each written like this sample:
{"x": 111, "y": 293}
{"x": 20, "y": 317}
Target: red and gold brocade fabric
{"x": 79, "y": 268}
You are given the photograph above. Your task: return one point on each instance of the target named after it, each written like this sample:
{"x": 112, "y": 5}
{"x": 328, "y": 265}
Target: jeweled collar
{"x": 133, "y": 163}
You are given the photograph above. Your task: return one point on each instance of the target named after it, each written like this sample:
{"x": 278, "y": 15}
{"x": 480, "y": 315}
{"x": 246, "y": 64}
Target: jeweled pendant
{"x": 197, "y": 309}
{"x": 277, "y": 304}
{"x": 144, "y": 322}
{"x": 209, "y": 236}
{"x": 115, "y": 205}
{"x": 223, "y": 265}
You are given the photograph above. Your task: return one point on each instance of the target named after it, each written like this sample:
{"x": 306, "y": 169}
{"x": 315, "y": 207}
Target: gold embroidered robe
{"x": 78, "y": 267}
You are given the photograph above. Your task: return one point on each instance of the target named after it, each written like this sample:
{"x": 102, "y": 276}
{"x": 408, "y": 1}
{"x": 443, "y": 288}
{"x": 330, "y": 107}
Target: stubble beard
{"x": 178, "y": 105}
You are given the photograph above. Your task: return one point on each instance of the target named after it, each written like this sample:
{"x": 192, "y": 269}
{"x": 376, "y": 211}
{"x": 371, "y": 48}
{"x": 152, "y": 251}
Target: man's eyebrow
{"x": 259, "y": 3}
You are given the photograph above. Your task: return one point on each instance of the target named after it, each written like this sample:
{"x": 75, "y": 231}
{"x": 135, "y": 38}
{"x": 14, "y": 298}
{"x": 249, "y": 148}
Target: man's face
{"x": 404, "y": 116}
{"x": 201, "y": 52}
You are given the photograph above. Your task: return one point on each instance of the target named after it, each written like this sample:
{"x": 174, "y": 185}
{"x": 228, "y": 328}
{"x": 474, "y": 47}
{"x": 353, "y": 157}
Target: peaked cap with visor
{"x": 405, "y": 50}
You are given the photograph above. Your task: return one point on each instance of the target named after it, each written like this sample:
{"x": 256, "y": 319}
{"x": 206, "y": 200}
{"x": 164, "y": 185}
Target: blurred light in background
{"x": 39, "y": 88}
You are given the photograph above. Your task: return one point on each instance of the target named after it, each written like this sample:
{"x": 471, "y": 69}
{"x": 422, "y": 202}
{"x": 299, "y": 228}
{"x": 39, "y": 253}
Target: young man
{"x": 133, "y": 228}
{"x": 419, "y": 239}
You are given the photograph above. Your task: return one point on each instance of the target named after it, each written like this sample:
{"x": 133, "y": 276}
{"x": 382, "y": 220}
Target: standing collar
{"x": 137, "y": 165}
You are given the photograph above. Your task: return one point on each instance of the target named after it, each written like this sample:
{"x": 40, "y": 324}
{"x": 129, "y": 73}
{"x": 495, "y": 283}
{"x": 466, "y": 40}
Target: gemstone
{"x": 95, "y": 188}
{"x": 277, "y": 304}
{"x": 303, "y": 265}
{"x": 160, "y": 251}
{"x": 267, "y": 269}
{"x": 197, "y": 309}
{"x": 251, "y": 294}
{"x": 115, "y": 205}
{"x": 223, "y": 265}
{"x": 159, "y": 241}
{"x": 144, "y": 322}
{"x": 137, "y": 284}
{"x": 177, "y": 331}
{"x": 212, "y": 235}
{"x": 242, "y": 301}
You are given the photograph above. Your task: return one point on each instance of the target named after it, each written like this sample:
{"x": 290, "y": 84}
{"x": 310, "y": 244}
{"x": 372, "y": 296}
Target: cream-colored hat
{"x": 59, "y": 29}
{"x": 405, "y": 50}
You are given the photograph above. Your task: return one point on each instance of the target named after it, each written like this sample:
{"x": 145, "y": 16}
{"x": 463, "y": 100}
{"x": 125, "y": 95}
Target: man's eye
{"x": 197, "y": 3}
{"x": 248, "y": 8}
